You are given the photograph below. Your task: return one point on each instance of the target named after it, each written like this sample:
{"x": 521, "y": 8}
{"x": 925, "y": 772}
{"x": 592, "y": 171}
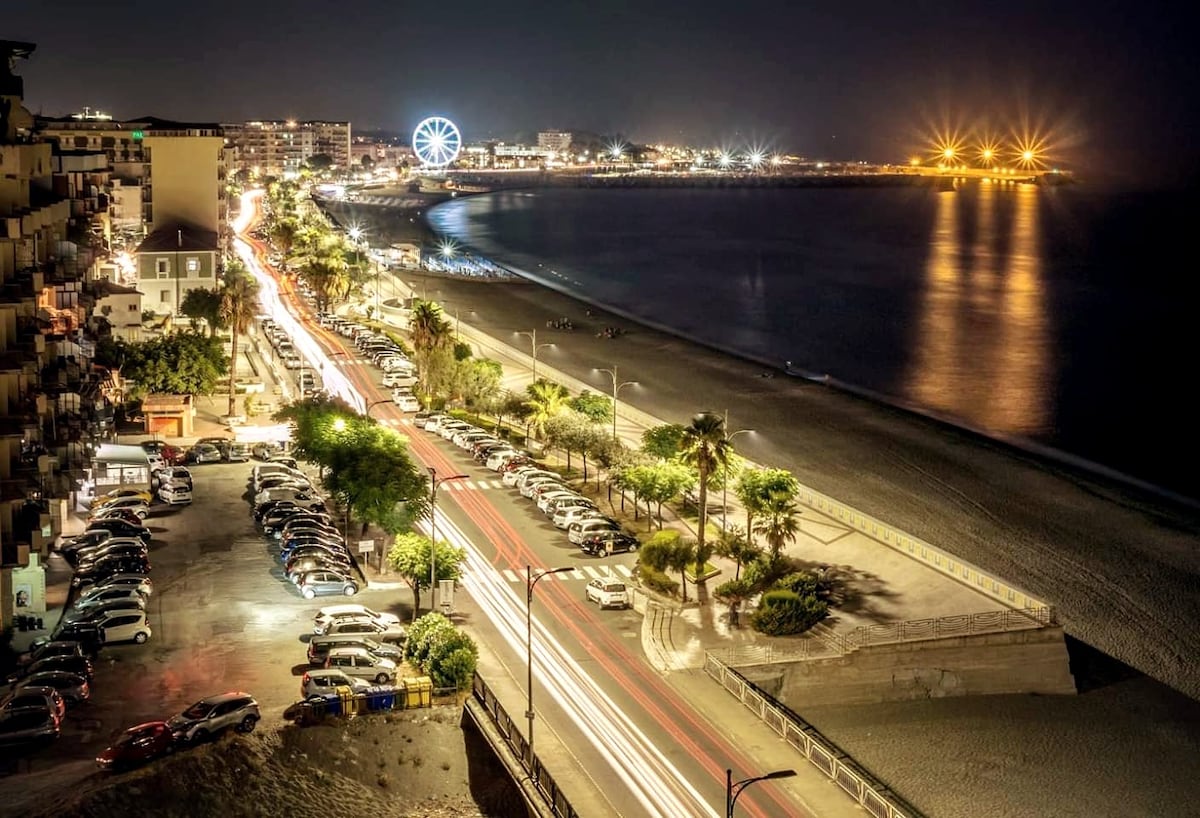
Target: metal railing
{"x": 539, "y": 776}
{"x": 820, "y": 643}
{"x": 871, "y": 794}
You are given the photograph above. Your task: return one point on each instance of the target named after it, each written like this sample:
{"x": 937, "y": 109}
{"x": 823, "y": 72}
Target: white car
{"x": 330, "y": 613}
{"x": 544, "y": 501}
{"x": 532, "y": 483}
{"x": 399, "y": 377}
{"x": 406, "y": 402}
{"x": 133, "y": 504}
{"x": 175, "y": 494}
{"x": 125, "y": 626}
{"x": 140, "y": 582}
{"x": 523, "y": 476}
{"x": 564, "y": 517}
{"x": 607, "y": 593}
{"x": 264, "y": 470}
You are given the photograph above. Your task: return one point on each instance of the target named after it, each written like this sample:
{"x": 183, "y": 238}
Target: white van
{"x": 577, "y": 531}
{"x": 400, "y": 377}
{"x": 406, "y": 401}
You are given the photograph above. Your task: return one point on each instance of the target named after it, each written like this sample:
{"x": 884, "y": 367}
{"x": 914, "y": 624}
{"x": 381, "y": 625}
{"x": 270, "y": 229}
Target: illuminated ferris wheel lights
{"x": 436, "y": 141}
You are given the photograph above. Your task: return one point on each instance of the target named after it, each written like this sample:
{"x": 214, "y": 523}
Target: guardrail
{"x": 871, "y": 794}
{"x": 932, "y": 556}
{"x": 539, "y": 776}
{"x": 818, "y": 644}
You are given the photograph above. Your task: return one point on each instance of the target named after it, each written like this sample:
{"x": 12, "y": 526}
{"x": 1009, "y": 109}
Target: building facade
{"x": 557, "y": 141}
{"x": 277, "y": 147}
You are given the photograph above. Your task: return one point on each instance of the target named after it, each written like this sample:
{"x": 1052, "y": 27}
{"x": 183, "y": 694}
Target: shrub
{"x": 657, "y": 551}
{"x": 422, "y": 635}
{"x": 658, "y": 581}
{"x": 456, "y": 669}
{"x": 803, "y": 583}
{"x": 786, "y": 613}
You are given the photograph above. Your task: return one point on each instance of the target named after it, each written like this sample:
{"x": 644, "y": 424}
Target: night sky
{"x": 1104, "y": 83}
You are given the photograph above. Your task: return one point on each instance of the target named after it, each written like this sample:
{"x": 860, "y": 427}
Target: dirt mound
{"x": 411, "y": 763}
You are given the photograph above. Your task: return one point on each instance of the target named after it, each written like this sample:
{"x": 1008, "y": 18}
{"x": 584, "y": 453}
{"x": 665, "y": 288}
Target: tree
{"x": 733, "y": 544}
{"x": 663, "y": 442}
{"x": 238, "y": 306}
{"x": 430, "y": 333}
{"x": 201, "y": 304}
{"x": 679, "y": 558}
{"x": 371, "y": 472}
{"x": 319, "y": 163}
{"x": 327, "y": 274}
{"x": 476, "y": 380}
{"x": 596, "y": 408}
{"x": 755, "y": 486}
{"x": 546, "y": 400}
{"x": 780, "y": 523}
{"x": 182, "y": 363}
{"x": 442, "y": 651}
{"x": 409, "y": 557}
{"x": 283, "y": 234}
{"x": 704, "y": 446}
{"x": 734, "y": 593}
{"x": 662, "y": 482}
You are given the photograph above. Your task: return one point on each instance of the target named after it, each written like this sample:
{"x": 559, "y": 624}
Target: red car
{"x": 138, "y": 745}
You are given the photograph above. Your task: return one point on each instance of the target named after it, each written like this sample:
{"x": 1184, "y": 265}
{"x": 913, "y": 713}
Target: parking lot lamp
{"x": 434, "y": 483}
{"x": 531, "y": 579}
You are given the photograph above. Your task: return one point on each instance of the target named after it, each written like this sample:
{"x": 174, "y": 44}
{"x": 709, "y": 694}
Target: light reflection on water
{"x": 980, "y": 338}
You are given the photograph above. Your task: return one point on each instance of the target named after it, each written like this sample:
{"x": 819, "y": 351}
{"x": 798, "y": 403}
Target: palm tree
{"x": 546, "y": 400}
{"x": 780, "y": 522}
{"x": 706, "y": 447}
{"x": 239, "y": 303}
{"x": 429, "y": 328}
{"x": 326, "y": 273}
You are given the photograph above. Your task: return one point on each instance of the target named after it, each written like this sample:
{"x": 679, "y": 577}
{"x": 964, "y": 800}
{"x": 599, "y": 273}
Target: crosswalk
{"x": 586, "y": 572}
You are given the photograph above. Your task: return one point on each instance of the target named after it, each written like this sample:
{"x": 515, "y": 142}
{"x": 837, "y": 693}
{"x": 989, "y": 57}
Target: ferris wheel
{"x": 436, "y": 141}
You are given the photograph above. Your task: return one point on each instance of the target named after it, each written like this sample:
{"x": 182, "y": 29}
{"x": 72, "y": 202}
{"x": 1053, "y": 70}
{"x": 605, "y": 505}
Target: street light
{"x": 734, "y": 789}
{"x": 531, "y": 580}
{"x": 375, "y": 403}
{"x": 725, "y": 478}
{"x": 434, "y": 482}
{"x": 532, "y": 336}
{"x": 617, "y": 387}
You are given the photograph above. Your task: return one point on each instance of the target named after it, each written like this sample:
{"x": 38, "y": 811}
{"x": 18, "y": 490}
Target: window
{"x": 193, "y": 265}
{"x": 133, "y": 307}
{"x": 162, "y": 266}
{"x": 164, "y": 296}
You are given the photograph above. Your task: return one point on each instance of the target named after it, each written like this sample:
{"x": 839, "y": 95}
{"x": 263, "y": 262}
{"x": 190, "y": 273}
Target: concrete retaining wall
{"x": 1030, "y": 661}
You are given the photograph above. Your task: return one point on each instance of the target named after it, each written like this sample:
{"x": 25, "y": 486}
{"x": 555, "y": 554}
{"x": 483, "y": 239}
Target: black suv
{"x": 609, "y": 542}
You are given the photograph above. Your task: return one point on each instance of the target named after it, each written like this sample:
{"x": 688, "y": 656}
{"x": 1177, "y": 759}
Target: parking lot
{"x": 223, "y": 619}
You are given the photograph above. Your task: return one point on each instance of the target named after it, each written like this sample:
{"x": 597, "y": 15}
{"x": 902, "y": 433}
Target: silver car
{"x": 71, "y": 686}
{"x": 28, "y": 726}
{"x": 34, "y": 698}
{"x": 98, "y": 595}
{"x": 362, "y": 663}
{"x": 216, "y": 714}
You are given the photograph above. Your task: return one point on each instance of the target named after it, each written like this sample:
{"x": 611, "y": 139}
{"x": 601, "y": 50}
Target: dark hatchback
{"x": 609, "y": 542}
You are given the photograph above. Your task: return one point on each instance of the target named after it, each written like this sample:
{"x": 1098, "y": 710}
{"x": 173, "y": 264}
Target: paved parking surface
{"x": 223, "y": 619}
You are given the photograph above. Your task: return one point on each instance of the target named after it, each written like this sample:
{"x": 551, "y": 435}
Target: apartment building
{"x": 276, "y": 147}
{"x": 557, "y": 141}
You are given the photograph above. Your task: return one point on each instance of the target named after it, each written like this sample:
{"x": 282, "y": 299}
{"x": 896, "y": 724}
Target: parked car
{"x": 605, "y": 543}
{"x": 101, "y": 569}
{"x": 70, "y": 546}
{"x": 124, "y": 514}
{"x": 238, "y": 453}
{"x": 79, "y": 665}
{"x": 121, "y": 494}
{"x": 204, "y": 453}
{"x": 406, "y": 402}
{"x": 95, "y": 597}
{"x": 362, "y": 663}
{"x": 87, "y": 634}
{"x": 580, "y": 529}
{"x": 319, "y": 647}
{"x": 120, "y": 528}
{"x": 99, "y": 613}
{"x": 34, "y": 698}
{"x": 71, "y": 686}
{"x": 137, "y": 505}
{"x": 138, "y": 745}
{"x": 546, "y": 499}
{"x": 117, "y": 547}
{"x": 140, "y": 582}
{"x": 169, "y": 454}
{"x": 367, "y": 627}
{"x": 125, "y": 626}
{"x": 175, "y": 494}
{"x": 22, "y": 728}
{"x": 607, "y": 593}
{"x": 178, "y": 475}
{"x": 328, "y": 680}
{"x": 209, "y": 717}
{"x": 45, "y": 650}
{"x": 333, "y": 612}
{"x": 323, "y": 582}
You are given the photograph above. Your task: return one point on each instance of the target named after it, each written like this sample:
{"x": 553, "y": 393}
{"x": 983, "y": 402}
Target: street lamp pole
{"x": 375, "y": 403}
{"x": 531, "y": 579}
{"x": 735, "y": 788}
{"x": 535, "y": 346}
{"x": 434, "y": 483}
{"x": 725, "y": 478}
{"x": 617, "y": 387}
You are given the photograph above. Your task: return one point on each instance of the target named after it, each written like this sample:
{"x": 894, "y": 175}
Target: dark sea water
{"x": 1065, "y": 317}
